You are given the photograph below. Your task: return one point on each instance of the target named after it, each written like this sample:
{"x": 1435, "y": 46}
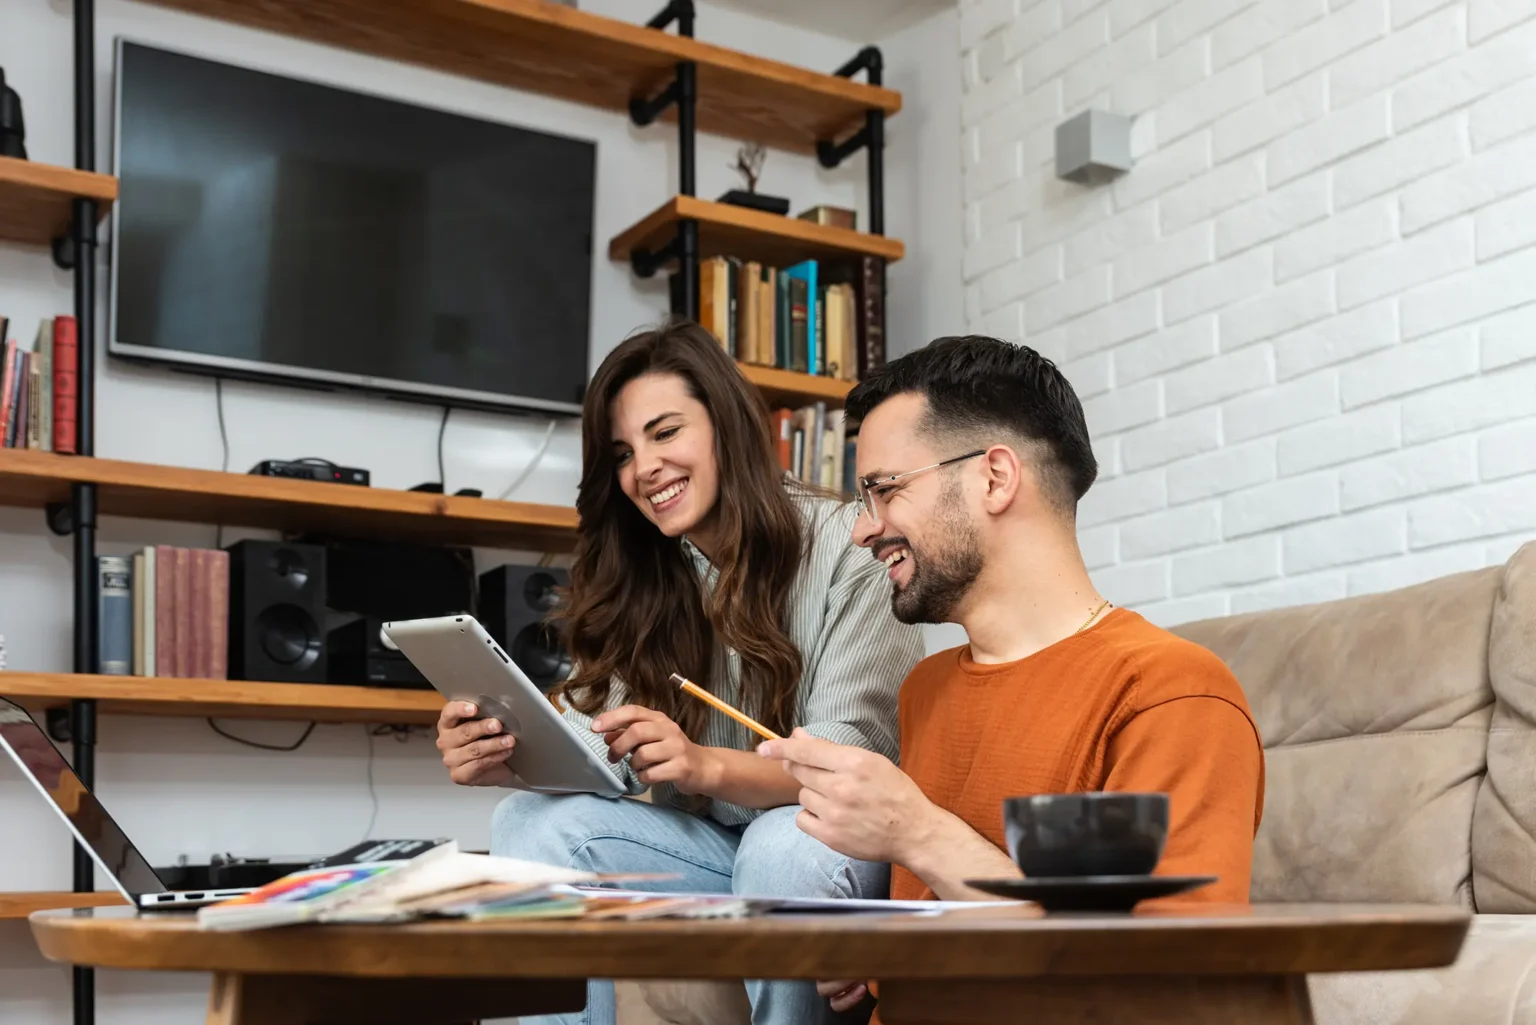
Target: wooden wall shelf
{"x": 36, "y": 200}
{"x": 20, "y": 905}
{"x": 788, "y": 388}
{"x": 726, "y": 230}
{"x": 223, "y": 699}
{"x": 148, "y": 491}
{"x": 548, "y": 48}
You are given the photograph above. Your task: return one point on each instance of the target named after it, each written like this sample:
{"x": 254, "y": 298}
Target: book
{"x": 114, "y": 577}
{"x": 44, "y": 349}
{"x": 217, "y": 611}
{"x": 8, "y": 370}
{"x": 831, "y": 216}
{"x": 34, "y": 402}
{"x": 164, "y": 575}
{"x": 805, "y": 310}
{"x": 16, "y": 430}
{"x": 65, "y": 355}
{"x": 782, "y": 433}
{"x": 138, "y": 614}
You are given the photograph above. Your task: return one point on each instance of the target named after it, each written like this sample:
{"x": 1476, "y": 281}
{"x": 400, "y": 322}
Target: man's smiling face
{"x": 924, "y": 531}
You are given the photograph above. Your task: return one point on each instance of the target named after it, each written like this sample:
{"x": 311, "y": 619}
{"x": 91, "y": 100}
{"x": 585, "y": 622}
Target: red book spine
{"x": 65, "y": 397}
{"x": 165, "y": 611}
{"x": 218, "y": 614}
{"x": 783, "y": 433}
{"x": 8, "y": 364}
{"x": 198, "y": 662}
{"x": 185, "y": 613}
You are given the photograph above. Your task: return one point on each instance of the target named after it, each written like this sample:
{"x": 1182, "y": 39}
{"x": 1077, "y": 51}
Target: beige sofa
{"x": 1400, "y": 731}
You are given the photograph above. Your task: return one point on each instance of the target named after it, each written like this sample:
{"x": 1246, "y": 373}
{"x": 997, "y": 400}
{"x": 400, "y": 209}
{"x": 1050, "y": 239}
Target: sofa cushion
{"x": 1504, "y": 822}
{"x": 1374, "y": 713}
{"x": 1493, "y": 982}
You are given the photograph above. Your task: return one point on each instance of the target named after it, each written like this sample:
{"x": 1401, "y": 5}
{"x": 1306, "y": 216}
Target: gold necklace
{"x": 1095, "y": 615}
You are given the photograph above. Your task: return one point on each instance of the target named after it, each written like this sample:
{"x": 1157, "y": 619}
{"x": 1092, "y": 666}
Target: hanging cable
{"x": 533, "y": 463}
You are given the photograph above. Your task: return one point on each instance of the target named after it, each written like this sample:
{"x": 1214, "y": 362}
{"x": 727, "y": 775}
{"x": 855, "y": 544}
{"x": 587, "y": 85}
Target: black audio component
{"x": 276, "y": 608}
{"x": 515, "y": 602}
{"x": 391, "y": 580}
{"x": 358, "y": 654}
{"x": 311, "y": 470}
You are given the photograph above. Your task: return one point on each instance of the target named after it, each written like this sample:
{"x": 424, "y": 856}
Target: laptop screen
{"x": 42, "y": 763}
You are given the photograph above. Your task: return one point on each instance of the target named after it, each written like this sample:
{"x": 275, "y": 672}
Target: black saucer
{"x": 1090, "y": 893}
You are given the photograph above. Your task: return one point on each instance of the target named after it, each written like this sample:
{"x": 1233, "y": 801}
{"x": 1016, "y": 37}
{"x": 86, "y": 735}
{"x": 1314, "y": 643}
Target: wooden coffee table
{"x": 1185, "y": 966}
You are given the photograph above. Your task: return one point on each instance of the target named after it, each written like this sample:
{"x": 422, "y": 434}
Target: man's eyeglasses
{"x": 869, "y": 488}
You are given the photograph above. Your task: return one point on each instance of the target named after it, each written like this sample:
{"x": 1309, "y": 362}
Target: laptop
{"x": 43, "y": 764}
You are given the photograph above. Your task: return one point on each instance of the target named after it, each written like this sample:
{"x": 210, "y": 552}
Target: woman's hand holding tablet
{"x": 474, "y": 750}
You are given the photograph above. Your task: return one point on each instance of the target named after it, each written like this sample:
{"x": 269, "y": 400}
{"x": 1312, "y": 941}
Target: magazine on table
{"x": 379, "y": 882}
{"x": 399, "y": 881}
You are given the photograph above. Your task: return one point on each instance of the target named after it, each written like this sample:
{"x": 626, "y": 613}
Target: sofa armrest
{"x": 1493, "y": 982}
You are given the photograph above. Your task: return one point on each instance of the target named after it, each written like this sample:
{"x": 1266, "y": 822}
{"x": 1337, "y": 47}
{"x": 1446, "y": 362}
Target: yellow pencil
{"x": 709, "y": 699}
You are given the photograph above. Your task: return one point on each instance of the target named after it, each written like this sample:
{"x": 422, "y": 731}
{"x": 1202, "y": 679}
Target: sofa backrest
{"x": 1375, "y": 714}
{"x": 1504, "y": 821}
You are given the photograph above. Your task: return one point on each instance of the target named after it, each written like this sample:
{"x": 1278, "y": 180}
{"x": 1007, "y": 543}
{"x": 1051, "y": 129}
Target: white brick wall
{"x": 1304, "y": 325}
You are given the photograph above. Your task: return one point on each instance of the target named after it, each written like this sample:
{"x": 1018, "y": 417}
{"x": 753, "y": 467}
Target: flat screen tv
{"x": 277, "y": 229}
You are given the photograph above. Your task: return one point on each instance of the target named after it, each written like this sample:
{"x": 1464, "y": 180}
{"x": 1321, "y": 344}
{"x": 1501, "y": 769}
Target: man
{"x": 973, "y": 454}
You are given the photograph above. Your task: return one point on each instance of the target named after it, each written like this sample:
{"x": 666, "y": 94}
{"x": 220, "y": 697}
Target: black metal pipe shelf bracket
{"x": 870, "y": 137}
{"x": 78, "y": 253}
{"x": 683, "y": 90}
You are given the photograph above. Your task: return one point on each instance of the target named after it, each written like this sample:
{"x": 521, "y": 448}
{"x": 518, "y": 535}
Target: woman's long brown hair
{"x": 636, "y": 612}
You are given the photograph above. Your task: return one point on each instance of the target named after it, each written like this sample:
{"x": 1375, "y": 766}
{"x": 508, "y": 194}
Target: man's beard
{"x": 941, "y": 575}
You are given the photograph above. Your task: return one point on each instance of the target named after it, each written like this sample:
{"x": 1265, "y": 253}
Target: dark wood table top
{"x": 1017, "y": 941}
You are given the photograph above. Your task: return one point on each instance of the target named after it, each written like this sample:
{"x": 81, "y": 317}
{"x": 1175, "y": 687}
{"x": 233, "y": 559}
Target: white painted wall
{"x": 1304, "y": 325}
{"x": 177, "y": 787}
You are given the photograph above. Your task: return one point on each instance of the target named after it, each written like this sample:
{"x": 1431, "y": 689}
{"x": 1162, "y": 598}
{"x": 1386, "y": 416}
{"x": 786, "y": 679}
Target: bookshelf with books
{"x": 38, "y": 397}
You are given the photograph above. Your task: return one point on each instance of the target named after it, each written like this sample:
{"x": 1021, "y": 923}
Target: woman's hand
{"x": 843, "y": 993}
{"x": 659, "y": 751}
{"x": 474, "y": 750}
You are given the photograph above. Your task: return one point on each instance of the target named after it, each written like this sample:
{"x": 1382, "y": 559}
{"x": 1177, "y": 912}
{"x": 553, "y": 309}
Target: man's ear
{"x": 1006, "y": 474}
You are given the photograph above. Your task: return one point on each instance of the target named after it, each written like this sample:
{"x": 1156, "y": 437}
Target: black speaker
{"x": 392, "y": 580}
{"x": 357, "y": 654}
{"x": 276, "y": 612}
{"x": 514, "y": 603}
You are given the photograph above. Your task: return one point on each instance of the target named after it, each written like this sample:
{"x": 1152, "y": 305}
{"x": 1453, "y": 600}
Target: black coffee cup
{"x": 1088, "y": 834}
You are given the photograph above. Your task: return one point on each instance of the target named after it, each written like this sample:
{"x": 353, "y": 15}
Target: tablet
{"x": 464, "y": 663}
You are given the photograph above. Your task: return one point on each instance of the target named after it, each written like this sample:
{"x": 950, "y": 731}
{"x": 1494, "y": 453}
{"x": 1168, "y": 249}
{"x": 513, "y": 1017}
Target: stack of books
{"x": 165, "y": 612}
{"x": 811, "y": 318}
{"x": 443, "y": 882}
{"x": 813, "y": 446}
{"x": 37, "y": 388}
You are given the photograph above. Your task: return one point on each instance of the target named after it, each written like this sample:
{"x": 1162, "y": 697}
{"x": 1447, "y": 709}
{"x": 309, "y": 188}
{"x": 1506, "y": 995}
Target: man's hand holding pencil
{"x": 856, "y": 802}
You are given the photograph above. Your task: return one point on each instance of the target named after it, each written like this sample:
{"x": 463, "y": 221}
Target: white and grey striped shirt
{"x": 855, "y": 654}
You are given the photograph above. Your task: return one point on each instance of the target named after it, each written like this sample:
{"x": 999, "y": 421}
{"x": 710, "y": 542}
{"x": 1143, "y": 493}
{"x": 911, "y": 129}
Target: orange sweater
{"x": 1122, "y": 706}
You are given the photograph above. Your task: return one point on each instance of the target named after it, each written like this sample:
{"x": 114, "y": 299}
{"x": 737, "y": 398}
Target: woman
{"x": 697, "y": 555}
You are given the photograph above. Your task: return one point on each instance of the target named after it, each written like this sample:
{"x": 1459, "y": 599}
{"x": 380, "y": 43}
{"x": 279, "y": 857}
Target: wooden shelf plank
{"x": 147, "y": 491}
{"x": 726, "y": 230}
{"x": 20, "y": 905}
{"x": 787, "y": 388}
{"x": 549, "y": 48}
{"x": 224, "y": 699}
{"x": 36, "y": 199}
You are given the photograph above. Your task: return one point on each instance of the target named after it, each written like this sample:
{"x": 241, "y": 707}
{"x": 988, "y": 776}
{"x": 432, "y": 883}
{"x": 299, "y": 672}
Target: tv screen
{"x": 283, "y": 230}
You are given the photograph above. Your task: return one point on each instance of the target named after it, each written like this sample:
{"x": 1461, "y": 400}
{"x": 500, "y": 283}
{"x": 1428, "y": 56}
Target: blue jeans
{"x": 770, "y": 857}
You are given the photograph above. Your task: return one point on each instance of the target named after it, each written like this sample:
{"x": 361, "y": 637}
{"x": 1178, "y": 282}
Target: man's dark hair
{"x": 991, "y": 391}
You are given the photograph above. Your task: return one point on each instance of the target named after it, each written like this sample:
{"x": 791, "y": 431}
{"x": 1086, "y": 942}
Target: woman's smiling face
{"x": 664, "y": 448}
